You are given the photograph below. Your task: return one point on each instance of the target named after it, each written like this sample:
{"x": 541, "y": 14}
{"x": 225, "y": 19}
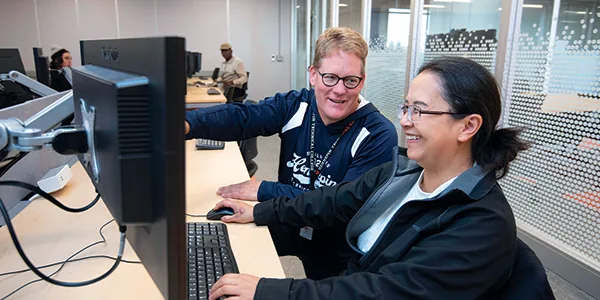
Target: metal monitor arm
{"x": 24, "y": 80}
{"x": 37, "y": 132}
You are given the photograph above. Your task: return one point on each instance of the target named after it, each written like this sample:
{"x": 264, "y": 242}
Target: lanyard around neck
{"x": 315, "y": 169}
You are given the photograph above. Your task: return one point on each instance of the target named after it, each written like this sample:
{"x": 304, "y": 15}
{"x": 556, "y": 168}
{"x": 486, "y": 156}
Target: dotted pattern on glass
{"x": 555, "y": 186}
{"x": 477, "y": 45}
{"x": 386, "y": 73}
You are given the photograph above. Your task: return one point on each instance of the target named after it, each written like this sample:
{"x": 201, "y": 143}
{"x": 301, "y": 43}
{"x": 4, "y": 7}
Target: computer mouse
{"x": 217, "y": 214}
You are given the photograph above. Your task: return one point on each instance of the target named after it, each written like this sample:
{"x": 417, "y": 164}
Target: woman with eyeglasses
{"x": 433, "y": 225}
{"x": 61, "y": 78}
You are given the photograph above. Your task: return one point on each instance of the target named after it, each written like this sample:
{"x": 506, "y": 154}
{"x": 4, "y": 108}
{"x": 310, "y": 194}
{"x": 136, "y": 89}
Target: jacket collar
{"x": 475, "y": 182}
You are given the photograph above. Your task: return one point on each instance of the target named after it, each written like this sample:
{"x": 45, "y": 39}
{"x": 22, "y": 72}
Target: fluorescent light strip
{"x": 399, "y": 10}
{"x": 529, "y": 6}
{"x": 433, "y": 6}
{"x": 577, "y": 12}
{"x": 533, "y": 5}
{"x": 459, "y": 1}
{"x": 342, "y": 5}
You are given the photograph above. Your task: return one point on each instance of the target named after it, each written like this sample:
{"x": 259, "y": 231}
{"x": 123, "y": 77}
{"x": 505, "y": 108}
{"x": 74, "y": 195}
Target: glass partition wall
{"x": 545, "y": 55}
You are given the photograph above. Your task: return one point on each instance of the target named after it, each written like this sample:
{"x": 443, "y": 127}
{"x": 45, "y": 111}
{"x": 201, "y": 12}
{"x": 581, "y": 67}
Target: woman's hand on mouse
{"x": 242, "y": 212}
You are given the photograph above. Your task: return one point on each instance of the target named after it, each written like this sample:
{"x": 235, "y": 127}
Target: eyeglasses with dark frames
{"x": 330, "y": 80}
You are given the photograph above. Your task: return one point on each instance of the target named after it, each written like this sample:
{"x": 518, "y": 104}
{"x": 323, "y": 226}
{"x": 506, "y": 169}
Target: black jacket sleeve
{"x": 321, "y": 207}
{"x": 466, "y": 260}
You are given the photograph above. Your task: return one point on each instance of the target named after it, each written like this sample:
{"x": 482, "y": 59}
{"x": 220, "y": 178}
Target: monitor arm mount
{"x": 24, "y": 80}
{"x": 40, "y": 131}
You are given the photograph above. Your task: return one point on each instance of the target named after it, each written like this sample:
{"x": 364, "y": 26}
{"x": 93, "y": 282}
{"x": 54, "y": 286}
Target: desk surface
{"x": 198, "y": 95}
{"x": 555, "y": 103}
{"x": 49, "y": 235}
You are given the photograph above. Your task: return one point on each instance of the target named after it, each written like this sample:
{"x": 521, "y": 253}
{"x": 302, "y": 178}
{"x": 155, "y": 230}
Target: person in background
{"x": 61, "y": 78}
{"x": 434, "y": 224}
{"x": 329, "y": 134}
{"x": 232, "y": 72}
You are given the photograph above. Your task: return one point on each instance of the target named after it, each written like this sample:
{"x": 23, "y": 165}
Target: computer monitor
{"x": 197, "y": 61}
{"x": 137, "y": 162}
{"x": 12, "y": 93}
{"x": 10, "y": 60}
{"x": 42, "y": 68}
{"x": 189, "y": 64}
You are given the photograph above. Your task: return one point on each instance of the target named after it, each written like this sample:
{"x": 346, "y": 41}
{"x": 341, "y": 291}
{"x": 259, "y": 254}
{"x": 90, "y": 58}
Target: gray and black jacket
{"x": 457, "y": 245}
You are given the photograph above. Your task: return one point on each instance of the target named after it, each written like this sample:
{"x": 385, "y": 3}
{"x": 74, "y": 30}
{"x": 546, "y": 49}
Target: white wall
{"x": 19, "y": 15}
{"x": 254, "y": 38}
{"x": 252, "y": 30}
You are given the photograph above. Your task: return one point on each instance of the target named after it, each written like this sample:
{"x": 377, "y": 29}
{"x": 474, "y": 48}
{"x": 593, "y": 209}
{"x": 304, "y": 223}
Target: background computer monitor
{"x": 189, "y": 64}
{"x": 12, "y": 93}
{"x": 197, "y": 61}
{"x": 138, "y": 117}
{"x": 42, "y": 68}
{"x": 10, "y": 60}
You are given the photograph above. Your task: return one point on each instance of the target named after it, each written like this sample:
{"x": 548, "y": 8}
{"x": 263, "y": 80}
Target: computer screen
{"x": 12, "y": 93}
{"x": 133, "y": 112}
{"x": 10, "y": 60}
{"x": 42, "y": 68}
{"x": 189, "y": 64}
{"x": 197, "y": 61}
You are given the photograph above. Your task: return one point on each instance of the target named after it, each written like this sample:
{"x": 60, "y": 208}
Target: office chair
{"x": 528, "y": 279}
{"x": 233, "y": 94}
{"x": 249, "y": 151}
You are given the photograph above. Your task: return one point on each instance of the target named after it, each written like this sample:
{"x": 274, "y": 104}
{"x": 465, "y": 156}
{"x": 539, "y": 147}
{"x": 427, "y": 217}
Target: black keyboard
{"x": 204, "y": 144}
{"x": 209, "y": 257}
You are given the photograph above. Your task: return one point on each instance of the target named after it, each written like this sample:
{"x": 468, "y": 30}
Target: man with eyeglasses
{"x": 232, "y": 72}
{"x": 329, "y": 134}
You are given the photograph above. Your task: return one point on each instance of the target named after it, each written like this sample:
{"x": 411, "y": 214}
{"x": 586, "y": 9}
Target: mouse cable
{"x": 49, "y": 197}
{"x": 196, "y": 216}
{"x": 68, "y": 260}
{"x": 17, "y": 244}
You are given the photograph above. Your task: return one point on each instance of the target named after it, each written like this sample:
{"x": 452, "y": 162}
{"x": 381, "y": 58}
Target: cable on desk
{"x": 196, "y": 216}
{"x": 49, "y": 197}
{"x": 17, "y": 244}
{"x": 68, "y": 260}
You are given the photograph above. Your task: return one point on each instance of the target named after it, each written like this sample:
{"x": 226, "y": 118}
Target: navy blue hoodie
{"x": 366, "y": 144}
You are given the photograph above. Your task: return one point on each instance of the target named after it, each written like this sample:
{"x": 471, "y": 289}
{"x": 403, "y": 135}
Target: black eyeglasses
{"x": 330, "y": 80}
{"x": 414, "y": 112}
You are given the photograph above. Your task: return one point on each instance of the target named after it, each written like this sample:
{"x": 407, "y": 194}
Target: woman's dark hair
{"x": 57, "y": 60}
{"x": 470, "y": 88}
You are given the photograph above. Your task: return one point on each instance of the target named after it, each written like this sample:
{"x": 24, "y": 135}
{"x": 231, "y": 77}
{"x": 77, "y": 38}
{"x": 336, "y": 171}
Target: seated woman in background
{"x": 433, "y": 225}
{"x": 60, "y": 69}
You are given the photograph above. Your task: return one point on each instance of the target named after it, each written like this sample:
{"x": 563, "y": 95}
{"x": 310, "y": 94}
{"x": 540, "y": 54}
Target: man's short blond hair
{"x": 338, "y": 39}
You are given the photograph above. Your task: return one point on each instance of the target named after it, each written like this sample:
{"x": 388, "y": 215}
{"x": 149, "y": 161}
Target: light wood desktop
{"x": 555, "y": 103}
{"x": 197, "y": 96}
{"x": 49, "y": 234}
